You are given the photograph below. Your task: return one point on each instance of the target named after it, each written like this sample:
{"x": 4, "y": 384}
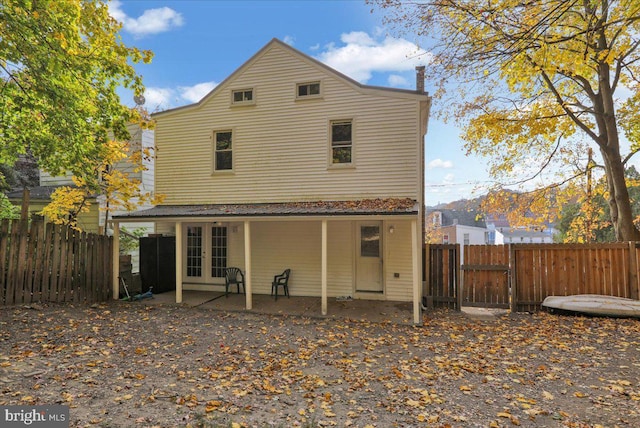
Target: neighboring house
{"x": 464, "y": 227}
{"x": 289, "y": 164}
{"x": 523, "y": 236}
{"x": 458, "y": 226}
{"x": 500, "y": 232}
{"x": 94, "y": 220}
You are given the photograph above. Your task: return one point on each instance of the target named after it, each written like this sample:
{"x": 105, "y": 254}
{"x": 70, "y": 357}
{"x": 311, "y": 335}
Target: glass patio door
{"x": 205, "y": 257}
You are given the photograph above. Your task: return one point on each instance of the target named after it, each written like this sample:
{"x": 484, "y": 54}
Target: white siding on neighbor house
{"x": 47, "y": 179}
{"x": 477, "y": 235}
{"x": 281, "y": 145}
{"x": 398, "y": 259}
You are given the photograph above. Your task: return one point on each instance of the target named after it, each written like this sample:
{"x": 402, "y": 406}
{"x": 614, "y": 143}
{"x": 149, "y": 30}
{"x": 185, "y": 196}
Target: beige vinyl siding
{"x": 281, "y": 146}
{"x": 398, "y": 260}
{"x": 340, "y": 249}
{"x": 235, "y": 246}
{"x": 280, "y": 245}
{"x": 149, "y": 163}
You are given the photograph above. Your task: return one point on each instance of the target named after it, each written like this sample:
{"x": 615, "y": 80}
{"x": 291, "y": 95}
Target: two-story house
{"x": 290, "y": 164}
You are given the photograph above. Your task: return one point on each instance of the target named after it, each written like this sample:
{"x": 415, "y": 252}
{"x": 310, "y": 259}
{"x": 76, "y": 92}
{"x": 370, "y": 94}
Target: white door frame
{"x": 205, "y": 254}
{"x": 369, "y": 271}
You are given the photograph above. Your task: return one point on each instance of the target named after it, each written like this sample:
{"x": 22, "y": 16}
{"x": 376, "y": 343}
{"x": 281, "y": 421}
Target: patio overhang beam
{"x": 266, "y": 218}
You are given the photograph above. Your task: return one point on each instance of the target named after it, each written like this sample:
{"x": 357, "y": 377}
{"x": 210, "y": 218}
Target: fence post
{"x": 513, "y": 283}
{"x": 458, "y": 278}
{"x": 634, "y": 287}
{"x": 426, "y": 262}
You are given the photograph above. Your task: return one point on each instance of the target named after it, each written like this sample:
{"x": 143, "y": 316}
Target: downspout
{"x": 424, "y": 112}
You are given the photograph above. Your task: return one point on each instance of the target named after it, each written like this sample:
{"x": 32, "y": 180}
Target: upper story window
{"x": 223, "y": 150}
{"x": 341, "y": 142}
{"x": 308, "y": 89}
{"x": 242, "y": 97}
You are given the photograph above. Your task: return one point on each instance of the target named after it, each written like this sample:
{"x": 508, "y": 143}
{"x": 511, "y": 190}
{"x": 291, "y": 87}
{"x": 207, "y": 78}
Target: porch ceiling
{"x": 319, "y": 208}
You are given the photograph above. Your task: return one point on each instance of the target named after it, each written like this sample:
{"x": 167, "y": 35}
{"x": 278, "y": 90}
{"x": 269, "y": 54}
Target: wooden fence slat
{"x": 62, "y": 280}
{"x": 39, "y": 255}
{"x": 30, "y": 261}
{"x": 47, "y": 260}
{"x": 54, "y": 289}
{"x": 21, "y": 265}
{"x": 633, "y": 270}
{"x": 4, "y": 243}
{"x": 75, "y": 285}
{"x": 68, "y": 289}
{"x": 12, "y": 263}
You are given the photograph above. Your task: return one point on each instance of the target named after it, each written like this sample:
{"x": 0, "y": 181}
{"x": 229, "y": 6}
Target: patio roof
{"x": 318, "y": 208}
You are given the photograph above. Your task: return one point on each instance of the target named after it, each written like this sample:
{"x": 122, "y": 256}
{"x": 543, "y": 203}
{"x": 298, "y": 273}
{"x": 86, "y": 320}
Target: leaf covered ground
{"x": 130, "y": 365}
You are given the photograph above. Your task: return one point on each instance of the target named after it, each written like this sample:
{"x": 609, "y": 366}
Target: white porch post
{"x": 247, "y": 265}
{"x": 324, "y": 267}
{"x": 178, "y": 262}
{"x": 115, "y": 268}
{"x": 417, "y": 312}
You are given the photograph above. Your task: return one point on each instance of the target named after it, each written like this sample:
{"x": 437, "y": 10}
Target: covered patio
{"x": 366, "y": 250}
{"x": 353, "y": 309}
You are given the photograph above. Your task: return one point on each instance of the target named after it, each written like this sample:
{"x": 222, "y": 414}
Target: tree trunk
{"x": 619, "y": 203}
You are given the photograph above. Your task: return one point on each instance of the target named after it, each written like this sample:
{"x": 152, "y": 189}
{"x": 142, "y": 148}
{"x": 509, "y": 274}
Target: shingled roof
{"x": 330, "y": 208}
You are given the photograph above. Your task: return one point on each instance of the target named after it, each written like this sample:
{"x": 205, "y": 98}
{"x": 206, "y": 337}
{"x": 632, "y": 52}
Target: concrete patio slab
{"x": 360, "y": 310}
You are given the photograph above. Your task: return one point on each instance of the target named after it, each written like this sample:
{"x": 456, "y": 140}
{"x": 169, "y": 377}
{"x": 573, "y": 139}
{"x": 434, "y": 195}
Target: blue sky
{"x": 197, "y": 44}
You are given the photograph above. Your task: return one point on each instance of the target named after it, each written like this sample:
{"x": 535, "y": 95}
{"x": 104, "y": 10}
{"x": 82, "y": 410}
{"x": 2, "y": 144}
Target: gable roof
{"x": 462, "y": 217}
{"x": 309, "y": 60}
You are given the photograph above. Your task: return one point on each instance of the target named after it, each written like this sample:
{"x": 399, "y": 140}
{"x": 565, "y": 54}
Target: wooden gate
{"x": 442, "y": 275}
{"x": 485, "y": 276}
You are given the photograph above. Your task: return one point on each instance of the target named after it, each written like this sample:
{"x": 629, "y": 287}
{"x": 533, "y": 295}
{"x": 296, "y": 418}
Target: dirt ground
{"x": 132, "y": 365}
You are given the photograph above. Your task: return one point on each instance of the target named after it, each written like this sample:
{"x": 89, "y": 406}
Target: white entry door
{"x": 369, "y": 257}
{"x": 206, "y": 253}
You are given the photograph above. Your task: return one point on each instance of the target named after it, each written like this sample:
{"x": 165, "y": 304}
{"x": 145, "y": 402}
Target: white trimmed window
{"x": 341, "y": 142}
{"x": 308, "y": 89}
{"x": 223, "y": 156}
{"x": 242, "y": 96}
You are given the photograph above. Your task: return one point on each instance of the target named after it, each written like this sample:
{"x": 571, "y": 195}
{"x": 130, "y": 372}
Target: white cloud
{"x": 363, "y": 55}
{"x": 290, "y": 40}
{"x": 396, "y": 80}
{"x": 448, "y": 179}
{"x": 152, "y": 21}
{"x": 358, "y": 38}
{"x": 196, "y": 92}
{"x": 158, "y": 98}
{"x": 439, "y": 163}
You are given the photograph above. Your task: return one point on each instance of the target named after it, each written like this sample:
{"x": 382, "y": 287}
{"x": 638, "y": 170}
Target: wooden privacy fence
{"x": 47, "y": 262}
{"x": 485, "y": 276}
{"x": 520, "y": 276}
{"x": 442, "y": 275}
{"x": 545, "y": 270}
